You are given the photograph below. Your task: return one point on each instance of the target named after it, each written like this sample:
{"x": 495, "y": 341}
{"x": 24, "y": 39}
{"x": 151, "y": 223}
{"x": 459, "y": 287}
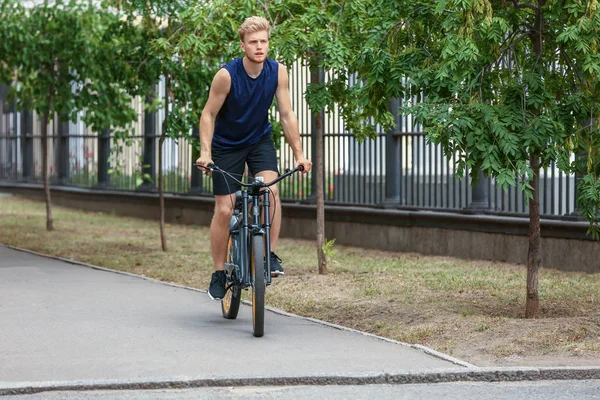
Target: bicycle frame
{"x": 251, "y": 226}
{"x": 257, "y": 195}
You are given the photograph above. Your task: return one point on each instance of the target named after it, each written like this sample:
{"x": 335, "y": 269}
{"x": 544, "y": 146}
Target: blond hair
{"x": 252, "y": 25}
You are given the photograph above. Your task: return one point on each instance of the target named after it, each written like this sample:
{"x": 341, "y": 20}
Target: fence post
{"x": 4, "y": 130}
{"x": 580, "y": 160}
{"x": 149, "y": 152}
{"x": 27, "y": 144}
{"x": 480, "y": 200}
{"x": 312, "y": 197}
{"x": 103, "y": 163}
{"x": 196, "y": 184}
{"x": 13, "y": 169}
{"x": 62, "y": 156}
{"x": 393, "y": 159}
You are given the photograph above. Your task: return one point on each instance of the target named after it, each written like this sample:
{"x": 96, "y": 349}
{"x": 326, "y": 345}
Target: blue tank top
{"x": 244, "y": 117}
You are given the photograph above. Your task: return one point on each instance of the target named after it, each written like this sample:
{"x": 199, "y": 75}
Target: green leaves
{"x": 496, "y": 90}
{"x": 72, "y": 56}
{"x": 505, "y": 178}
{"x": 588, "y": 203}
{"x": 322, "y": 34}
{"x": 318, "y": 97}
{"x": 344, "y": 42}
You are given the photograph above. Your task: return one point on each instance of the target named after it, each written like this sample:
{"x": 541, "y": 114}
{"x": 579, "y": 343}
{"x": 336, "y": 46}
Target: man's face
{"x": 256, "y": 46}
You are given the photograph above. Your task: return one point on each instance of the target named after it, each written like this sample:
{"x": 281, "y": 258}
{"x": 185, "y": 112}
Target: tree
{"x": 507, "y": 87}
{"x": 68, "y": 58}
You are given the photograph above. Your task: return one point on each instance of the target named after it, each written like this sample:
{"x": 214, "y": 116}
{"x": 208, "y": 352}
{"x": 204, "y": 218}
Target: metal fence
{"x": 397, "y": 169}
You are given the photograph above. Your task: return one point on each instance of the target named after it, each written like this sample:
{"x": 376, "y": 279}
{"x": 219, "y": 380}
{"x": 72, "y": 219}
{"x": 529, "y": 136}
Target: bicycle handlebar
{"x": 212, "y": 167}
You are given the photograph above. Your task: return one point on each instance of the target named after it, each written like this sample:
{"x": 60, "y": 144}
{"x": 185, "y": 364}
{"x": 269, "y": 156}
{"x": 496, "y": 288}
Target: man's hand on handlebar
{"x": 203, "y": 164}
{"x": 305, "y": 163}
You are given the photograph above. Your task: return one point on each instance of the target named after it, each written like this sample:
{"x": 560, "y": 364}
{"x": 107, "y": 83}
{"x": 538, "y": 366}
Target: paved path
{"x": 66, "y": 322}
{"x": 66, "y": 329}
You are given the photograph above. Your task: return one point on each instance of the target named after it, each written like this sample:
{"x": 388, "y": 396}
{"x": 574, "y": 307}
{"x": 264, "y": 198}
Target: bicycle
{"x": 247, "y": 261}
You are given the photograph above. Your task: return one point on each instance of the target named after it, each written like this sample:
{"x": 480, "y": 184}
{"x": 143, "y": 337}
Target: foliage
{"x": 328, "y": 249}
{"x": 326, "y": 35}
{"x": 71, "y": 56}
{"x": 578, "y": 44}
{"x": 202, "y": 36}
{"x": 187, "y": 59}
{"x": 496, "y": 91}
{"x": 151, "y": 8}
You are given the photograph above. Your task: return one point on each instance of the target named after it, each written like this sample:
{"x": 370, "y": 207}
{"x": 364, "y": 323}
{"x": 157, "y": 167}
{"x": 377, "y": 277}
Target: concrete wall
{"x": 565, "y": 245}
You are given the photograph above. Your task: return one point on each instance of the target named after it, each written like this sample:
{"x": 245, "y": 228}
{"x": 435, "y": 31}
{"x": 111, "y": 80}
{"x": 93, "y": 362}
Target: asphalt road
{"x": 555, "y": 390}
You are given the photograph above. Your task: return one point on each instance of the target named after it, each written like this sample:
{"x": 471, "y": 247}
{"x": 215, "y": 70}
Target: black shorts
{"x": 259, "y": 157}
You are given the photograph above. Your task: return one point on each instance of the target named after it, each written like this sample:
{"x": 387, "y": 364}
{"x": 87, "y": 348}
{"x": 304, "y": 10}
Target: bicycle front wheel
{"x": 259, "y": 285}
{"x": 230, "y": 304}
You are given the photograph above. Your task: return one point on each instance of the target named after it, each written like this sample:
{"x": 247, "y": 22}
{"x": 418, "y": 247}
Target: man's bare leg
{"x": 275, "y": 216}
{"x": 219, "y": 229}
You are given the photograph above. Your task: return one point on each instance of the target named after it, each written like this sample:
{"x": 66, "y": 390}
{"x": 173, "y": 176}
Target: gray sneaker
{"x": 216, "y": 290}
{"x": 276, "y": 268}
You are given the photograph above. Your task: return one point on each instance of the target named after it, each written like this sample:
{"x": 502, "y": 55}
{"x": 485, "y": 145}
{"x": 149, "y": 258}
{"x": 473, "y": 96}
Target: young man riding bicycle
{"x": 235, "y": 131}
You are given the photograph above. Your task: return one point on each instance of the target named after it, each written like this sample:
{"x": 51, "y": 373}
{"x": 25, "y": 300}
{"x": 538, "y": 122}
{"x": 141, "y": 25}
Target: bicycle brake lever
{"x": 209, "y": 167}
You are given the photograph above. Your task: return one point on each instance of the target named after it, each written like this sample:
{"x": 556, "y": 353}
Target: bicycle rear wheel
{"x": 259, "y": 285}
{"x": 230, "y": 304}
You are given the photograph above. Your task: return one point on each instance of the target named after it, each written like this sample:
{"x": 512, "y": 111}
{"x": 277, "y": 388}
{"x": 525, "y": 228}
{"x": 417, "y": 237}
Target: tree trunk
{"x": 316, "y": 77}
{"x": 532, "y": 303}
{"x": 49, "y": 218}
{"x": 319, "y": 167}
{"x": 535, "y": 241}
{"x": 161, "y": 195}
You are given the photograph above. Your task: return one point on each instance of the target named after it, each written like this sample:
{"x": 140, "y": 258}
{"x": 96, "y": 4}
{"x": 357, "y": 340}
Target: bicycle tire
{"x": 259, "y": 285}
{"x": 230, "y": 305}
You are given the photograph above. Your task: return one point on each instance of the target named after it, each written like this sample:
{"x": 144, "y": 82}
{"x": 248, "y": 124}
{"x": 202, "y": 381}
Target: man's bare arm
{"x": 219, "y": 90}
{"x": 289, "y": 121}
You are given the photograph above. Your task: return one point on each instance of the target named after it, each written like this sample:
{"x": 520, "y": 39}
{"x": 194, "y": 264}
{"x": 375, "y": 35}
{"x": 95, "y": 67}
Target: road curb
{"x": 416, "y": 377}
